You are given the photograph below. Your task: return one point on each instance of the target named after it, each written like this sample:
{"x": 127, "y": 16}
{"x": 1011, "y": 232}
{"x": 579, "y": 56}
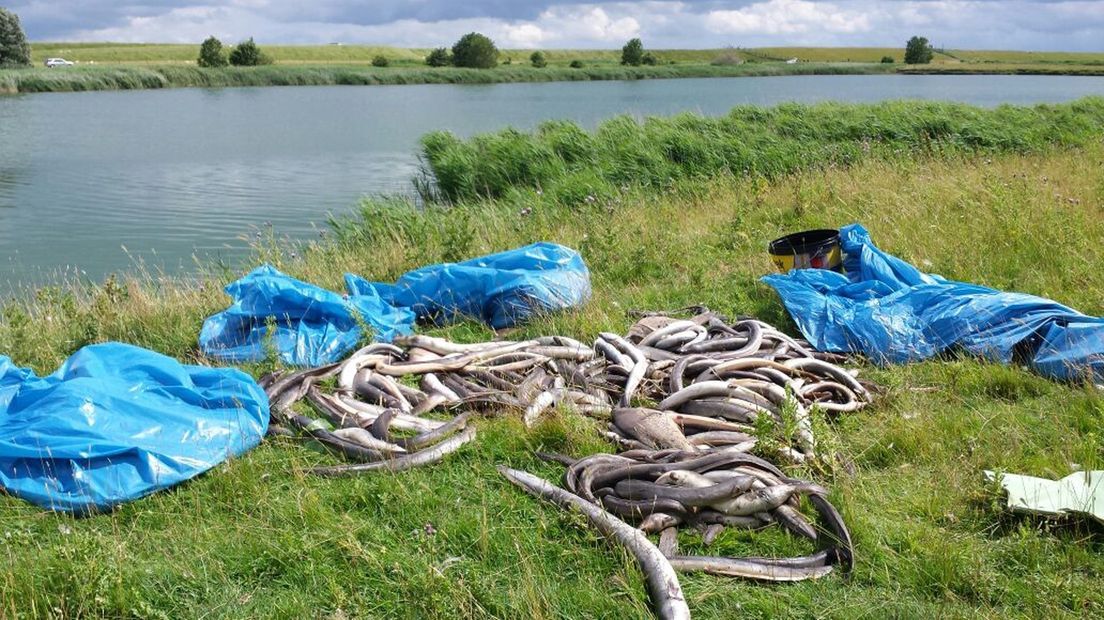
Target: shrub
{"x": 887, "y": 60}
{"x": 211, "y": 54}
{"x": 538, "y": 59}
{"x": 476, "y": 51}
{"x": 14, "y": 49}
{"x": 649, "y": 59}
{"x": 439, "y": 58}
{"x": 728, "y": 58}
{"x": 633, "y": 53}
{"x": 380, "y": 61}
{"x": 576, "y": 64}
{"x": 248, "y": 54}
{"x": 918, "y": 51}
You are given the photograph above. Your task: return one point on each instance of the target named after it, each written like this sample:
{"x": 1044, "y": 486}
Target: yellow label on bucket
{"x": 787, "y": 262}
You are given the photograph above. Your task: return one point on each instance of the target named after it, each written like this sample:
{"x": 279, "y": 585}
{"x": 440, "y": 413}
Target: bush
{"x": 538, "y": 59}
{"x": 576, "y": 64}
{"x": 887, "y": 60}
{"x": 14, "y": 49}
{"x": 476, "y": 51}
{"x": 918, "y": 51}
{"x": 649, "y": 59}
{"x": 439, "y": 58}
{"x": 633, "y": 53}
{"x": 727, "y": 59}
{"x": 248, "y": 54}
{"x": 380, "y": 61}
{"x": 211, "y": 54}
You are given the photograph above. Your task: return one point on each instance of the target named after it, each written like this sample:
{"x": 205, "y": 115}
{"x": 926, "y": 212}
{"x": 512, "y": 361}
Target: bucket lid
{"x": 804, "y": 241}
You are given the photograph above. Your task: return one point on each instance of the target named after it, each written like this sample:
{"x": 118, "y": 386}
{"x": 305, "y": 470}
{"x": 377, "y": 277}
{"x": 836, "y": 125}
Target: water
{"x": 90, "y": 183}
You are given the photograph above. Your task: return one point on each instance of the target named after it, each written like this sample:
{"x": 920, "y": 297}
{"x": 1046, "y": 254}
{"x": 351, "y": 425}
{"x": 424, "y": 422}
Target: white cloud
{"x": 963, "y": 24}
{"x": 787, "y": 17}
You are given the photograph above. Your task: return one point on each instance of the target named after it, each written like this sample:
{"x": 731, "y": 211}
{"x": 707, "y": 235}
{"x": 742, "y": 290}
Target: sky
{"x": 978, "y": 24}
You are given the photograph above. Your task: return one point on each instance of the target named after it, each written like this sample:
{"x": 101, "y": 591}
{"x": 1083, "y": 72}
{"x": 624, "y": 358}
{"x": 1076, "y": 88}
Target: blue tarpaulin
{"x": 892, "y": 312}
{"x": 315, "y": 326}
{"x": 117, "y": 422}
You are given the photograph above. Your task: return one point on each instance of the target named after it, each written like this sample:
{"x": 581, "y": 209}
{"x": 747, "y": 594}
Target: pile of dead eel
{"x": 686, "y": 461}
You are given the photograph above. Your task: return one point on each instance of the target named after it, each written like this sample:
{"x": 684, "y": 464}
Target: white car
{"x": 58, "y": 62}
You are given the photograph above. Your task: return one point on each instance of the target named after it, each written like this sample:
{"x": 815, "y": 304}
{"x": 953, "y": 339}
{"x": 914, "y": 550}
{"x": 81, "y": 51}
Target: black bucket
{"x": 809, "y": 249}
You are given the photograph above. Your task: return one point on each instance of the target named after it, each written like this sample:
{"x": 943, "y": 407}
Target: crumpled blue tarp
{"x": 117, "y": 422}
{"x": 500, "y": 289}
{"x": 892, "y": 312}
{"x": 316, "y": 326}
{"x": 313, "y": 326}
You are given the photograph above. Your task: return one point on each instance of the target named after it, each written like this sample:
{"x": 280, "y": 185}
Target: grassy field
{"x": 121, "y": 66}
{"x": 147, "y": 53}
{"x": 257, "y": 538}
{"x": 170, "y": 53}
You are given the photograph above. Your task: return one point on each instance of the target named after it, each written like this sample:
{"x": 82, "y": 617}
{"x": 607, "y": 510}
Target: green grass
{"x": 257, "y": 538}
{"x": 1014, "y": 57}
{"x": 114, "y": 53}
{"x": 107, "y": 66}
{"x": 105, "y": 77}
{"x": 565, "y": 164}
{"x": 1047, "y": 68}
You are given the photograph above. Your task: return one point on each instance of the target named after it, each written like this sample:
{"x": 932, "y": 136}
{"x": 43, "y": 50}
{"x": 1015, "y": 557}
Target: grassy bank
{"x": 110, "y": 66}
{"x": 167, "y": 76}
{"x": 1002, "y": 68}
{"x": 562, "y": 163}
{"x": 257, "y": 538}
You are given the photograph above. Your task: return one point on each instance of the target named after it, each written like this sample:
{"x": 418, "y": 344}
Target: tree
{"x": 887, "y": 60}
{"x": 538, "y": 59}
{"x": 380, "y": 61}
{"x": 248, "y": 54}
{"x": 918, "y": 51}
{"x": 633, "y": 53}
{"x": 211, "y": 54}
{"x": 14, "y": 49}
{"x": 439, "y": 58}
{"x": 476, "y": 51}
{"x": 649, "y": 59}
{"x": 576, "y": 64}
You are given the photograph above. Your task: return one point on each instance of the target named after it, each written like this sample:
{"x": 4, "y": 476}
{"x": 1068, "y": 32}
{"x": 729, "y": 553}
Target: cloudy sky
{"x": 978, "y": 24}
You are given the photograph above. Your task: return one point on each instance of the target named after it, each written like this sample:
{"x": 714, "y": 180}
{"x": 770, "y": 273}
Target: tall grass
{"x": 1002, "y": 68}
{"x": 570, "y": 165}
{"x": 165, "y": 76}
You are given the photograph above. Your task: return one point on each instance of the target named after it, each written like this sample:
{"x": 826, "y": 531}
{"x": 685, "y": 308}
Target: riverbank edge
{"x": 40, "y": 80}
{"x": 86, "y": 78}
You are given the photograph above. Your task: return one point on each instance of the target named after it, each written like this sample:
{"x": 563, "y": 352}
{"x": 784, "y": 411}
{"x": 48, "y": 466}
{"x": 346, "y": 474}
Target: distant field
{"x": 108, "y": 66}
{"x": 1077, "y": 58}
{"x": 157, "y": 53}
{"x": 173, "y": 53}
